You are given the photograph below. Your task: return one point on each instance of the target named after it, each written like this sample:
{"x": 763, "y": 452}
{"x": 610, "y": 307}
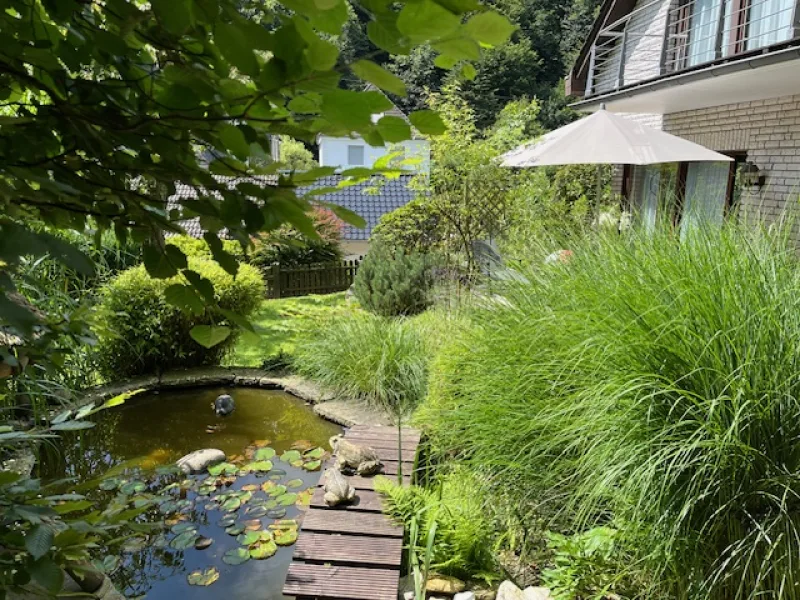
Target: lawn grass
{"x": 278, "y": 324}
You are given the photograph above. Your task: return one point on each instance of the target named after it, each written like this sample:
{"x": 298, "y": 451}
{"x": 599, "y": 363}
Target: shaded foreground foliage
{"x": 650, "y": 384}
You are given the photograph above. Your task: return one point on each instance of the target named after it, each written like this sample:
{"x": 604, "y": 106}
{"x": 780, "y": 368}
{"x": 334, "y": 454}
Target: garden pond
{"x": 247, "y": 509}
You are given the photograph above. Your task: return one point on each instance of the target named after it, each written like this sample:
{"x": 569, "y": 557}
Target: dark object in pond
{"x": 224, "y": 405}
{"x": 214, "y": 428}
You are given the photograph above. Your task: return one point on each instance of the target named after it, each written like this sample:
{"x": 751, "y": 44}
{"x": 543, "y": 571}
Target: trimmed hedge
{"x": 139, "y": 332}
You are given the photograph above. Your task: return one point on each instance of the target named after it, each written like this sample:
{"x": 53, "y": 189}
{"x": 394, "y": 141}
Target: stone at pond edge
{"x": 465, "y": 596}
{"x": 202, "y": 543}
{"x": 509, "y": 591}
{"x": 537, "y": 593}
{"x": 442, "y": 584}
{"x": 199, "y": 460}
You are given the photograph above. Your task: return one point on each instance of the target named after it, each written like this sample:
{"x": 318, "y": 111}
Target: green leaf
{"x": 369, "y": 71}
{"x": 427, "y": 122}
{"x": 234, "y": 141}
{"x": 225, "y": 259}
{"x": 158, "y": 263}
{"x": 394, "y": 129}
{"x": 233, "y": 44}
{"x": 264, "y": 466}
{"x": 209, "y": 336}
{"x": 249, "y": 538}
{"x": 231, "y": 504}
{"x": 426, "y": 20}
{"x": 290, "y": 456}
{"x": 490, "y": 28}
{"x": 47, "y": 574}
{"x": 384, "y": 34}
{"x": 72, "y": 426}
{"x": 39, "y": 540}
{"x": 174, "y": 15}
{"x": 185, "y": 540}
{"x": 264, "y": 454}
{"x": 462, "y": 48}
{"x": 321, "y": 55}
{"x": 236, "y": 556}
{"x": 185, "y": 298}
{"x": 287, "y": 499}
{"x": 203, "y": 578}
{"x": 70, "y": 507}
{"x": 263, "y": 550}
{"x": 353, "y": 110}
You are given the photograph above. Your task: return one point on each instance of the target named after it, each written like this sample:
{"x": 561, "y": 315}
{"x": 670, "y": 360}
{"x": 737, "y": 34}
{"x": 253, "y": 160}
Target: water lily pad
{"x": 294, "y": 483}
{"x": 287, "y": 499}
{"x": 203, "y": 578}
{"x": 291, "y": 456}
{"x": 263, "y": 550}
{"x": 181, "y": 527}
{"x": 234, "y": 529}
{"x": 276, "y": 513}
{"x": 108, "y": 565}
{"x": 264, "y": 454}
{"x": 203, "y": 542}
{"x": 132, "y": 487}
{"x": 261, "y": 443}
{"x": 160, "y": 541}
{"x": 168, "y": 507}
{"x": 252, "y": 525}
{"x": 237, "y": 556}
{"x": 304, "y": 497}
{"x": 277, "y": 475}
{"x": 227, "y": 520}
{"x": 250, "y": 487}
{"x": 277, "y": 490}
{"x": 303, "y": 445}
{"x": 232, "y": 503}
{"x": 271, "y": 503}
{"x": 256, "y": 512}
{"x": 268, "y": 485}
{"x": 249, "y": 538}
{"x": 212, "y": 506}
{"x": 316, "y": 453}
{"x": 285, "y": 537}
{"x": 245, "y": 497}
{"x": 313, "y": 465}
{"x": 206, "y": 490}
{"x": 185, "y": 540}
{"x": 261, "y": 466}
{"x": 223, "y": 468}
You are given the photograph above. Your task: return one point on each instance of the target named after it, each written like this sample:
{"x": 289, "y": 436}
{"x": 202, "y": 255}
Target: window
{"x": 701, "y": 31}
{"x": 355, "y": 155}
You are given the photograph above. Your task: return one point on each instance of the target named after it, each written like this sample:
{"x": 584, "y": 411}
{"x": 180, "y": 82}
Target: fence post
{"x": 276, "y": 280}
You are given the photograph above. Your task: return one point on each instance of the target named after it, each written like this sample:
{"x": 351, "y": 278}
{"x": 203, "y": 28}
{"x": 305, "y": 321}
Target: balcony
{"x": 662, "y": 38}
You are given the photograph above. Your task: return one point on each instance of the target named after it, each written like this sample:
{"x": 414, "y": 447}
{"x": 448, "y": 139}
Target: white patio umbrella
{"x": 604, "y": 138}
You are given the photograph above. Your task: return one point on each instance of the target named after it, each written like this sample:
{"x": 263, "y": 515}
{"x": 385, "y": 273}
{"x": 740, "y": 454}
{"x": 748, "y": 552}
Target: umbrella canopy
{"x": 604, "y": 138}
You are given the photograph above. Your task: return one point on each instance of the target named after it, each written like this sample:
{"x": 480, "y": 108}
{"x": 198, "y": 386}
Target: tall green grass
{"x": 653, "y": 382}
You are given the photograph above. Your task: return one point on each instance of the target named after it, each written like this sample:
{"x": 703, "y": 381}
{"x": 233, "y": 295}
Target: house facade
{"x": 722, "y": 73}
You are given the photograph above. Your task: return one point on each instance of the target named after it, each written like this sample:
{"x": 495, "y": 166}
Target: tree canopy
{"x": 106, "y": 105}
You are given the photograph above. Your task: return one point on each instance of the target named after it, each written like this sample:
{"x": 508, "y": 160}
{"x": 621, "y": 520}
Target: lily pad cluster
{"x": 310, "y": 460}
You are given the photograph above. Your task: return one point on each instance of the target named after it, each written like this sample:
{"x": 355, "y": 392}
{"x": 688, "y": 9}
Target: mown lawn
{"x": 278, "y": 325}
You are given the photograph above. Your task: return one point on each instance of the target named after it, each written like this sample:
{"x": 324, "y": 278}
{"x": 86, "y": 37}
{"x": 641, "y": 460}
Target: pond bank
{"x": 342, "y": 411}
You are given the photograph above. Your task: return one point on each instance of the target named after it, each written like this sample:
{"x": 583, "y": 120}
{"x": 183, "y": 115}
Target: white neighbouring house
{"x": 722, "y": 73}
{"x": 350, "y": 152}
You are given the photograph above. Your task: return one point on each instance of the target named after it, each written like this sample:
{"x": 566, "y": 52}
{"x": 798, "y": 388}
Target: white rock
{"x": 508, "y": 591}
{"x": 199, "y": 460}
{"x": 465, "y": 596}
{"x": 537, "y": 593}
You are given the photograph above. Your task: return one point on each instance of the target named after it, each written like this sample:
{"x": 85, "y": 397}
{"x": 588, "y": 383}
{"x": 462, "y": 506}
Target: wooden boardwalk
{"x": 353, "y": 552}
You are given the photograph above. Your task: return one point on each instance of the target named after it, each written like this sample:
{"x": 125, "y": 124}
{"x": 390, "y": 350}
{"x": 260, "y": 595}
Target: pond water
{"x": 132, "y": 444}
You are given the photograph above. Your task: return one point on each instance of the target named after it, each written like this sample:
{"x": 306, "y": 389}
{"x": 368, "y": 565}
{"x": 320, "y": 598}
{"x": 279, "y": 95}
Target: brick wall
{"x": 769, "y": 131}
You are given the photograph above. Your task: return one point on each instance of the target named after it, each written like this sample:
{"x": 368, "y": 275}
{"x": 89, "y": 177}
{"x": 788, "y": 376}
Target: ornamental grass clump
{"x": 651, "y": 381}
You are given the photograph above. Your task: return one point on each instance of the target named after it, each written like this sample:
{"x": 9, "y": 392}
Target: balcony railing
{"x": 660, "y": 37}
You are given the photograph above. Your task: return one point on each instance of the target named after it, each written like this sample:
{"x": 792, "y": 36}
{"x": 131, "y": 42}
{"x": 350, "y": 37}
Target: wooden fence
{"x": 323, "y": 278}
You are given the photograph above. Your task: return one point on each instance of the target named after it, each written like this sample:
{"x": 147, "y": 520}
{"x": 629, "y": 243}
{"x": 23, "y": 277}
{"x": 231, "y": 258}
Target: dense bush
{"x": 414, "y": 227}
{"x": 141, "y": 333}
{"x": 290, "y": 248}
{"x": 383, "y": 362}
{"x": 649, "y": 380}
{"x": 391, "y": 282}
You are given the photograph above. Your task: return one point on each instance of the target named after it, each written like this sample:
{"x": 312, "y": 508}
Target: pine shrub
{"x": 393, "y": 283}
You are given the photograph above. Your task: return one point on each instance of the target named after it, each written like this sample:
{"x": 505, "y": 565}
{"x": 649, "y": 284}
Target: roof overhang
{"x": 760, "y": 77}
{"x": 610, "y": 12}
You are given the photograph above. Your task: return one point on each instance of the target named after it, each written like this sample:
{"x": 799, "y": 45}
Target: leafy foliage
{"x": 141, "y": 332}
{"x": 392, "y": 283}
{"x": 414, "y": 227}
{"x": 658, "y": 383}
{"x": 290, "y": 248}
{"x": 198, "y": 248}
{"x": 295, "y": 156}
{"x": 464, "y": 536}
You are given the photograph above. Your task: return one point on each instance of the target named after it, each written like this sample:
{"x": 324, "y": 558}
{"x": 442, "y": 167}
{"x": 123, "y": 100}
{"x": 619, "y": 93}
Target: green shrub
{"x": 380, "y": 361}
{"x": 415, "y": 227}
{"x": 290, "y": 248}
{"x": 141, "y": 333}
{"x": 651, "y": 380}
{"x": 199, "y": 248}
{"x": 392, "y": 283}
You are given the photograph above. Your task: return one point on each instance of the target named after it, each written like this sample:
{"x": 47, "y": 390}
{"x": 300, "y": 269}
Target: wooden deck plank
{"x": 365, "y": 501}
{"x": 383, "y": 438}
{"x": 349, "y": 549}
{"x": 355, "y": 523}
{"x": 334, "y": 581}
